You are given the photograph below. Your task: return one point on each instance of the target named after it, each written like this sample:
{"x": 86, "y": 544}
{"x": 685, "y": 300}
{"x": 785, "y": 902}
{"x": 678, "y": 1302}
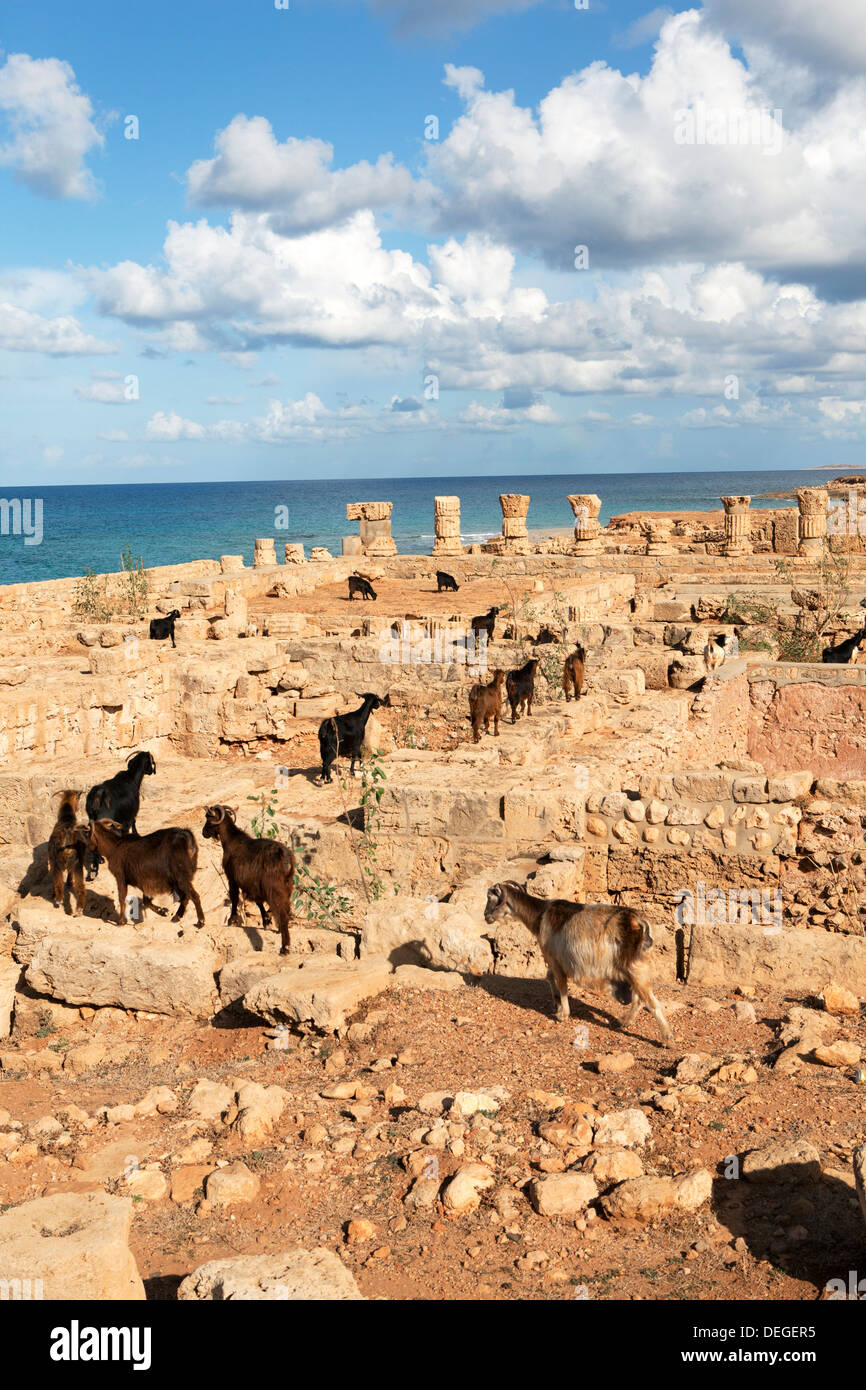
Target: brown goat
{"x": 485, "y": 703}
{"x": 520, "y": 686}
{"x": 67, "y": 852}
{"x": 574, "y": 673}
{"x": 263, "y": 870}
{"x": 593, "y": 945}
{"x": 163, "y": 862}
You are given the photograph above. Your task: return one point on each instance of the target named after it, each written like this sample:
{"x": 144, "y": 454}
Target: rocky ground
{"x": 456, "y": 1143}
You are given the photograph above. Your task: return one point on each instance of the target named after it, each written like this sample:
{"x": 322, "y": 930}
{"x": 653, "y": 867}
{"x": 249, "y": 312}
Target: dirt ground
{"x": 769, "y": 1241}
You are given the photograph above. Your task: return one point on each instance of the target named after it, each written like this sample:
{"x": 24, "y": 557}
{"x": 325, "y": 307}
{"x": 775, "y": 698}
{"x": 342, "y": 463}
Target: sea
{"x": 60, "y": 532}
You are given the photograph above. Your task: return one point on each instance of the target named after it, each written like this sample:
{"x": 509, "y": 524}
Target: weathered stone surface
{"x": 411, "y": 931}
{"x": 838, "y": 1054}
{"x": 78, "y": 1245}
{"x": 562, "y": 1194}
{"x": 300, "y": 1275}
{"x": 235, "y": 1183}
{"x": 10, "y": 974}
{"x": 128, "y": 968}
{"x": 463, "y": 1192}
{"x": 259, "y": 1109}
{"x": 795, "y": 959}
{"x": 321, "y": 992}
{"x": 623, "y": 1129}
{"x": 418, "y": 977}
{"x": 609, "y": 1166}
{"x": 785, "y": 1160}
{"x": 147, "y": 1183}
{"x": 838, "y": 1000}
{"x": 210, "y": 1100}
{"x": 645, "y": 1199}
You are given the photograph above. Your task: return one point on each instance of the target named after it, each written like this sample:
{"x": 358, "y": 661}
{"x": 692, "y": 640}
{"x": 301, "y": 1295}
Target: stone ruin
{"x": 375, "y": 519}
{"x": 447, "y": 526}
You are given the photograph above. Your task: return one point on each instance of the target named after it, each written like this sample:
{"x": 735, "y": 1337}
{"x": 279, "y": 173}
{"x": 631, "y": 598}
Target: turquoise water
{"x": 168, "y": 523}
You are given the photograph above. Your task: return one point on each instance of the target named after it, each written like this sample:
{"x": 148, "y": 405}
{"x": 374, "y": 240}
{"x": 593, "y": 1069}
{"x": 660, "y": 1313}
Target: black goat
{"x": 162, "y": 862}
{"x": 343, "y": 734}
{"x": 67, "y": 852}
{"x": 263, "y": 870}
{"x": 445, "y": 581}
{"x": 118, "y": 799}
{"x": 520, "y": 687}
{"x": 845, "y": 653}
{"x": 485, "y": 623}
{"x": 360, "y": 588}
{"x": 160, "y": 628}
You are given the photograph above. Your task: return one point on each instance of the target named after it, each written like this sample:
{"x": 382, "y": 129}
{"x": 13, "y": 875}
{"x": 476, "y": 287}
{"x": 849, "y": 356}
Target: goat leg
{"x": 558, "y": 981}
{"x": 234, "y": 896}
{"x": 196, "y": 900}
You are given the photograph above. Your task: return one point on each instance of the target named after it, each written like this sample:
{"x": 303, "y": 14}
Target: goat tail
{"x": 636, "y": 936}
{"x": 192, "y": 848}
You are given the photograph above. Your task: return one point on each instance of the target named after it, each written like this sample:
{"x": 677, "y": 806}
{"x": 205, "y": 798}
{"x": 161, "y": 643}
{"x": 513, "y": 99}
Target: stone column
{"x": 812, "y": 502}
{"x": 295, "y": 553}
{"x": 447, "y": 526}
{"x": 586, "y": 507}
{"x": 264, "y": 554}
{"x": 659, "y": 537}
{"x": 515, "y": 536}
{"x": 738, "y": 526}
{"x": 375, "y": 519}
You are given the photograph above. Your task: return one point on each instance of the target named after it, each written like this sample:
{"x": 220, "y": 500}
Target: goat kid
{"x": 485, "y": 703}
{"x": 716, "y": 652}
{"x": 574, "y": 673}
{"x": 118, "y": 798}
{"x": 163, "y": 862}
{"x": 263, "y": 870}
{"x": 67, "y": 852}
{"x": 590, "y": 945}
{"x": 160, "y": 628}
{"x": 520, "y": 686}
{"x": 343, "y": 734}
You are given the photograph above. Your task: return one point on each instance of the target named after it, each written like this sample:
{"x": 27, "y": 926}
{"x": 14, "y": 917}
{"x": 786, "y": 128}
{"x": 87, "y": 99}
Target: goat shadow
{"x": 825, "y": 1216}
{"x": 535, "y": 995}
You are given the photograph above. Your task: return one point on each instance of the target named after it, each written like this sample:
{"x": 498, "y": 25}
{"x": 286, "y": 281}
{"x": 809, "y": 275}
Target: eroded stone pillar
{"x": 812, "y": 503}
{"x": 295, "y": 553}
{"x": 586, "y": 507}
{"x": 515, "y": 536}
{"x": 264, "y": 553}
{"x": 447, "y": 526}
{"x": 738, "y": 526}
{"x": 659, "y": 537}
{"x": 375, "y": 519}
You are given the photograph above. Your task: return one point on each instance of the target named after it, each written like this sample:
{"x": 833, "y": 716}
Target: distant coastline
{"x": 172, "y": 523}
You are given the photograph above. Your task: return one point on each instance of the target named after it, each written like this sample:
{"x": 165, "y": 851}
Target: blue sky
{"x": 282, "y": 277}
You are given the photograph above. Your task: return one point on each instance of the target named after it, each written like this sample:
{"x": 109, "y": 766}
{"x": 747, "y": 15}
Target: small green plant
{"x": 135, "y": 583}
{"x": 264, "y": 825}
{"x": 373, "y": 779}
{"x": 318, "y": 899}
{"x": 90, "y": 598}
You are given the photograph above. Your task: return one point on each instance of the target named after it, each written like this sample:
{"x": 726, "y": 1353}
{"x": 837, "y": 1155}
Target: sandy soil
{"x": 756, "y": 1242}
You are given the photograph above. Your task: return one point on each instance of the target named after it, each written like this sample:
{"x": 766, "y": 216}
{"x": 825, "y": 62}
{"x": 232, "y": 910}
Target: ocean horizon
{"x": 88, "y": 526}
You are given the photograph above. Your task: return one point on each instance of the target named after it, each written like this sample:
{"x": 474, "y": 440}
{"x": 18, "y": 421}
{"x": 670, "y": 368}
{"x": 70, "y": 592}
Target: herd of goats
{"x": 598, "y": 945}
